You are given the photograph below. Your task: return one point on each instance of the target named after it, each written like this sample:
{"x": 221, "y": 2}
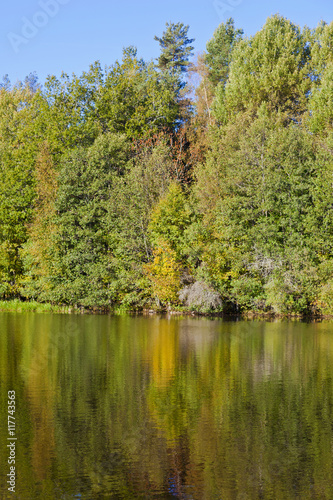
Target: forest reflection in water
{"x": 135, "y": 407}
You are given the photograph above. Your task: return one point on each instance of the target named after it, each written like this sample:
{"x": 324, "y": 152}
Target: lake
{"x": 134, "y": 407}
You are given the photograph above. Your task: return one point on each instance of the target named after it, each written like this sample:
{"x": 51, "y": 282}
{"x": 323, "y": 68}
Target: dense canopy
{"x": 132, "y": 187}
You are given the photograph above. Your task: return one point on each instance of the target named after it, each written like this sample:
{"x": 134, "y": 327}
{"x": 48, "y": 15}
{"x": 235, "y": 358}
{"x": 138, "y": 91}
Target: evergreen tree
{"x": 219, "y": 51}
{"x": 176, "y": 48}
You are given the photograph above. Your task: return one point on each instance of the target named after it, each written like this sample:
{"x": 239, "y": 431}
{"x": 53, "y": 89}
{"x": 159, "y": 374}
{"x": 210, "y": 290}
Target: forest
{"x": 202, "y": 186}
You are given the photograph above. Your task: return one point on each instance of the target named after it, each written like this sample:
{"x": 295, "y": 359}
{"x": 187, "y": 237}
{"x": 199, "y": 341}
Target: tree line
{"x": 170, "y": 184}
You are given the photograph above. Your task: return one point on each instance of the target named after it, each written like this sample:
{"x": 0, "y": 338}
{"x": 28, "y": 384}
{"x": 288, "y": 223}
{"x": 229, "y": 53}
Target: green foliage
{"x": 219, "y": 51}
{"x": 271, "y": 67}
{"x": 134, "y": 198}
{"x": 173, "y": 63}
{"x": 18, "y": 306}
{"x": 320, "y": 99}
{"x": 99, "y": 204}
{"x": 130, "y": 97}
{"x": 320, "y": 104}
{"x": 176, "y": 48}
{"x": 167, "y": 230}
{"x": 37, "y": 252}
{"x": 321, "y": 50}
{"x": 170, "y": 219}
{"x": 96, "y": 224}
{"x": 18, "y": 147}
{"x": 135, "y": 99}
{"x": 85, "y": 268}
{"x": 262, "y": 214}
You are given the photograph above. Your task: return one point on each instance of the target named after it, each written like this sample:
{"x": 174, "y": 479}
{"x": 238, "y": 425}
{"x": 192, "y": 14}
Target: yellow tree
{"x": 167, "y": 228}
{"x": 164, "y": 273}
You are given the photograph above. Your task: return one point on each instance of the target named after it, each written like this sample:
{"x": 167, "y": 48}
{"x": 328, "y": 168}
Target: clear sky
{"x": 51, "y": 36}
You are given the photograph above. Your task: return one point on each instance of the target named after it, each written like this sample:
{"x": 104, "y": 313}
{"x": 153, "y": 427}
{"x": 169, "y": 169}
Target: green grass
{"x": 18, "y": 306}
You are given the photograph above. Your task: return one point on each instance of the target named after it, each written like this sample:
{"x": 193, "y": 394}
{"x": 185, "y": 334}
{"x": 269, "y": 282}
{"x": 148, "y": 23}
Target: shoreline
{"x": 18, "y": 306}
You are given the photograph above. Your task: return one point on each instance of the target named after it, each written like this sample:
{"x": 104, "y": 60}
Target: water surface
{"x": 137, "y": 407}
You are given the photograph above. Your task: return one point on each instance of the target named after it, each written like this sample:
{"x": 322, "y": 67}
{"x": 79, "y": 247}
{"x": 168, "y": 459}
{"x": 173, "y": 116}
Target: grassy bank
{"x": 17, "y": 305}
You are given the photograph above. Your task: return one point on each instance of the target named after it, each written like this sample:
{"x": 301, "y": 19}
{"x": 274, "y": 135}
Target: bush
{"x": 200, "y": 297}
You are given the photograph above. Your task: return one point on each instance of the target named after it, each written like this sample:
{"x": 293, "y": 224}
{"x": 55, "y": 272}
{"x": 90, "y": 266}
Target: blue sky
{"x": 51, "y": 36}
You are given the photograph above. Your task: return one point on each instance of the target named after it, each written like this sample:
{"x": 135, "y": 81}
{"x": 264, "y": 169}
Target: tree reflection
{"x": 158, "y": 408}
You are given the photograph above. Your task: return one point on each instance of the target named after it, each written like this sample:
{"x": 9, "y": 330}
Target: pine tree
{"x": 219, "y": 50}
{"x": 176, "y": 48}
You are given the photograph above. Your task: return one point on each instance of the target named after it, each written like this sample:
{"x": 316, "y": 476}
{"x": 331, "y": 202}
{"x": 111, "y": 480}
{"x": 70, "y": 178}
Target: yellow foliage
{"x": 163, "y": 354}
{"x": 164, "y": 273}
{"x": 220, "y": 258}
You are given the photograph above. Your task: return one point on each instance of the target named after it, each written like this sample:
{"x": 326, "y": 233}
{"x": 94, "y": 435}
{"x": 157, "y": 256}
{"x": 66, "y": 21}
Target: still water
{"x": 145, "y": 408}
